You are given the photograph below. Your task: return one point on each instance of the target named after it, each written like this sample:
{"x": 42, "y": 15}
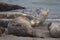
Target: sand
{"x": 43, "y": 28}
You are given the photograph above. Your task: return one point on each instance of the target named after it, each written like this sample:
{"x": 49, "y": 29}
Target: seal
{"x": 21, "y": 27}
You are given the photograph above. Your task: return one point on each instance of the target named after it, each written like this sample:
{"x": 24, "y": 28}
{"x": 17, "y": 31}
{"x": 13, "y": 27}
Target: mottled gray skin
{"x": 38, "y": 17}
{"x": 21, "y": 27}
{"x": 42, "y": 15}
{"x": 54, "y": 30}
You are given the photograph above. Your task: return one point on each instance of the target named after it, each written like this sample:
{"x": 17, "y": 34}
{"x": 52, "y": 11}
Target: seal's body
{"x": 22, "y": 25}
{"x": 19, "y": 26}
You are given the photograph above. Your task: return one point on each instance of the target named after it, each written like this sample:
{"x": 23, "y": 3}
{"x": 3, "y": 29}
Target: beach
{"x": 54, "y": 16}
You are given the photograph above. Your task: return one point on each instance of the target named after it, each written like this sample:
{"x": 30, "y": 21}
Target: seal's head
{"x": 44, "y": 12}
{"x": 42, "y": 15}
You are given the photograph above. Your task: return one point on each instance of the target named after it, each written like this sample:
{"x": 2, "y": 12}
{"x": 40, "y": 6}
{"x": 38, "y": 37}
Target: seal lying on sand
{"x": 21, "y": 27}
{"x": 54, "y": 30}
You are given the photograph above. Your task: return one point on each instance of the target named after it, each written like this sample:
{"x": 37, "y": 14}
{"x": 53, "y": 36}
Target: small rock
{"x": 54, "y": 30}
